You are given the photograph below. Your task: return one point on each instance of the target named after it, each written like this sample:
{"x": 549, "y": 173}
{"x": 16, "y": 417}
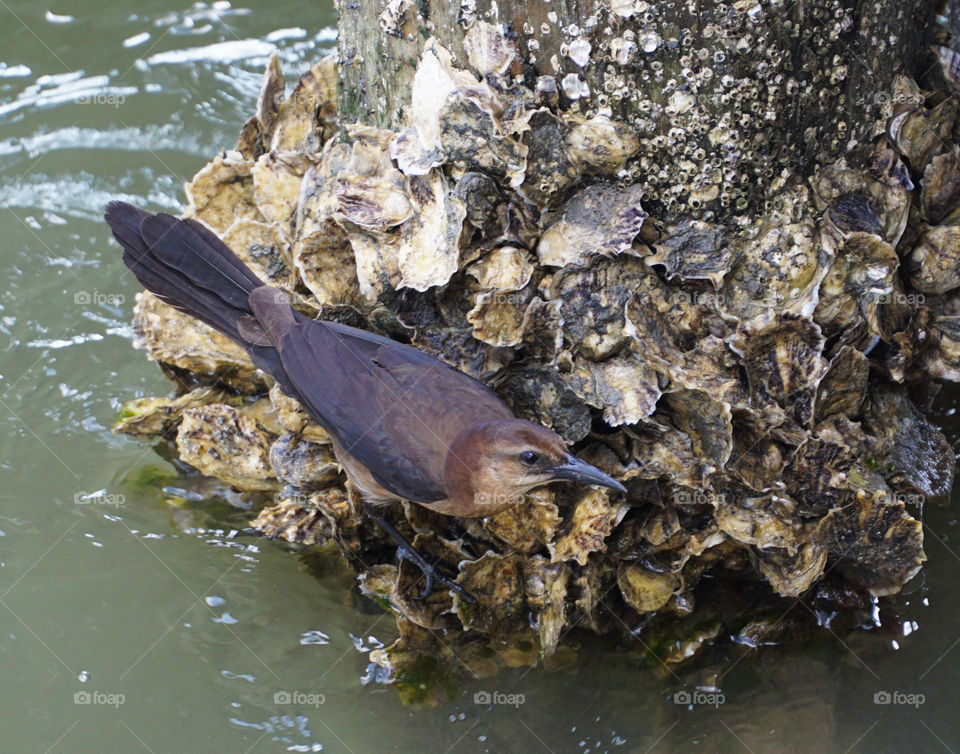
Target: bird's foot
{"x": 431, "y": 573}
{"x": 406, "y": 551}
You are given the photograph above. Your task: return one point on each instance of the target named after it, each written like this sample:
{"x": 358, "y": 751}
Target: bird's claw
{"x": 431, "y": 573}
{"x": 406, "y": 551}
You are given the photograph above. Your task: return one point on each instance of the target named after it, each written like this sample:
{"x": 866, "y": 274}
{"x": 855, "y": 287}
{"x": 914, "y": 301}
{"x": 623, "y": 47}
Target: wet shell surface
{"x": 602, "y": 219}
{"x": 227, "y": 443}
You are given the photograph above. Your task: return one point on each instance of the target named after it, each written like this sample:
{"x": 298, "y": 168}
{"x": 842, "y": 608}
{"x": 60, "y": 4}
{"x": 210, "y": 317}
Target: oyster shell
{"x": 546, "y": 587}
{"x": 645, "y": 589}
{"x": 784, "y": 364}
{"x": 765, "y": 522}
{"x": 920, "y": 460}
{"x": 271, "y": 97}
{"x": 673, "y": 644}
{"x": 325, "y": 261}
{"x": 222, "y": 192}
{"x": 307, "y": 118}
{"x": 601, "y": 219}
{"x": 261, "y": 247}
{"x": 708, "y": 424}
{"x": 757, "y": 460}
{"x": 550, "y": 168}
{"x": 950, "y": 65}
{"x": 257, "y": 131}
{"x": 341, "y": 509}
{"x": 779, "y": 270}
{"x": 472, "y": 139}
{"x": 854, "y": 201}
{"x": 158, "y": 416}
{"x": 860, "y": 281}
{"x": 289, "y": 519}
{"x": 367, "y": 190}
{"x": 625, "y": 387}
{"x": 497, "y": 319}
{"x": 589, "y": 588}
{"x": 694, "y": 250}
{"x": 661, "y": 451}
{"x": 936, "y": 260}
{"x": 177, "y": 339}
{"x": 497, "y": 582}
{"x": 591, "y": 522}
{"x": 710, "y": 366}
{"x": 593, "y": 301}
{"x": 919, "y": 133}
{"x": 875, "y": 542}
{"x": 294, "y": 419}
{"x": 601, "y": 144}
{"x": 403, "y": 232}
{"x": 486, "y": 205}
{"x": 419, "y": 148}
{"x": 504, "y": 269}
{"x": 791, "y": 574}
{"x": 542, "y": 330}
{"x": 526, "y": 528}
{"x": 818, "y": 476}
{"x": 940, "y": 192}
{"x": 276, "y": 187}
{"x": 424, "y": 253}
{"x": 943, "y": 359}
{"x": 229, "y": 444}
{"x": 844, "y": 386}
{"x": 303, "y": 464}
{"x": 488, "y": 48}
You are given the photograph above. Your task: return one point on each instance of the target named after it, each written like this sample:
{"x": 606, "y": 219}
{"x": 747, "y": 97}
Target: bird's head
{"x": 493, "y": 464}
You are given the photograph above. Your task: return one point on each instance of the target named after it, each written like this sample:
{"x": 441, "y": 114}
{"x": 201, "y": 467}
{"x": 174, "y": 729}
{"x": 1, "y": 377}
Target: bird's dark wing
{"x": 392, "y": 407}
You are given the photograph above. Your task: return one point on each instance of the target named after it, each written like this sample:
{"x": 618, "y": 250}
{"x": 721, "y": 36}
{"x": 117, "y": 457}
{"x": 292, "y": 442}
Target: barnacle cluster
{"x": 718, "y": 97}
{"x": 759, "y": 388}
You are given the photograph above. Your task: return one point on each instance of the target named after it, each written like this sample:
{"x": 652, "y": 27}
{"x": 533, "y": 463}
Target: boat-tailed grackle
{"x": 403, "y": 424}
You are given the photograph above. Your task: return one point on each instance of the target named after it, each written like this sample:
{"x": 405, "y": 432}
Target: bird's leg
{"x": 430, "y": 571}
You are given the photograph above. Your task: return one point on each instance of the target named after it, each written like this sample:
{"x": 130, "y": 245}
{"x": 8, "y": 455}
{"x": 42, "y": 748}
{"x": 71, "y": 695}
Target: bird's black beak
{"x": 575, "y": 470}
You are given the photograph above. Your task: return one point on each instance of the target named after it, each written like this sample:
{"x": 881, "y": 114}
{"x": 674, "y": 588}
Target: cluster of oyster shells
{"x": 759, "y": 389}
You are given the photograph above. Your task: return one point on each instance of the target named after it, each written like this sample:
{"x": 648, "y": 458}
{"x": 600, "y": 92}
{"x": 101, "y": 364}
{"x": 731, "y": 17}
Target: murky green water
{"x": 154, "y": 623}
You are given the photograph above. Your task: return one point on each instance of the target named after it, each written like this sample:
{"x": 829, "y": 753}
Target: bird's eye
{"x": 529, "y": 457}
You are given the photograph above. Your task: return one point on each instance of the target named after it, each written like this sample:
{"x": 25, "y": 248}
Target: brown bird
{"x": 403, "y": 424}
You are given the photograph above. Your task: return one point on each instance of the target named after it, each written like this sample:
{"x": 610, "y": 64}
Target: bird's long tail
{"x": 185, "y": 265}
